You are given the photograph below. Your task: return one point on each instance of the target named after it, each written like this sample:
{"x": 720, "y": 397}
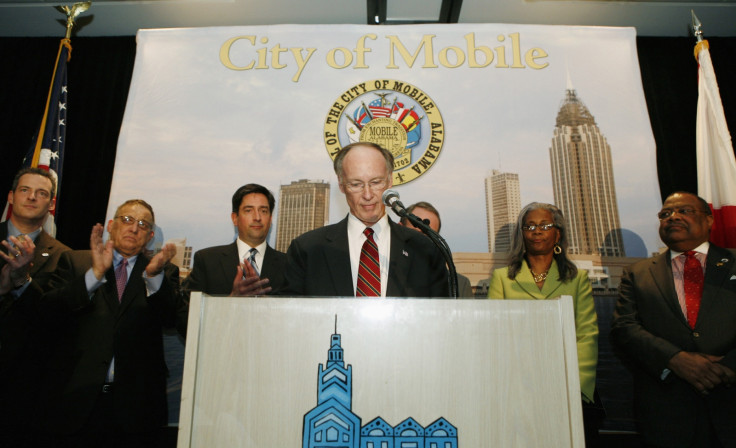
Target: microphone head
{"x": 389, "y": 197}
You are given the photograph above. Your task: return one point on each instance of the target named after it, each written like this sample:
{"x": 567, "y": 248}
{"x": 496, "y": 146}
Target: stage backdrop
{"x": 211, "y": 109}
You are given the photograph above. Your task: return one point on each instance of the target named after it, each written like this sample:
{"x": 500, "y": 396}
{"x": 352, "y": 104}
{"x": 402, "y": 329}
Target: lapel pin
{"x": 405, "y": 253}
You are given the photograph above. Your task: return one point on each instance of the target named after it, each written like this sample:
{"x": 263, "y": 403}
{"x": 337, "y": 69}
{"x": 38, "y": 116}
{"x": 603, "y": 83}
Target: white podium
{"x": 503, "y": 373}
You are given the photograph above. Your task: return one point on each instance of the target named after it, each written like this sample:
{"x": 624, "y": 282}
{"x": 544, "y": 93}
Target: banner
{"x": 211, "y": 109}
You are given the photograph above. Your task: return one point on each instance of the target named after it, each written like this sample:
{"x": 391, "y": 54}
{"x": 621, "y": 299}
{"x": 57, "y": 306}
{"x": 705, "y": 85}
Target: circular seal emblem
{"x": 394, "y": 114}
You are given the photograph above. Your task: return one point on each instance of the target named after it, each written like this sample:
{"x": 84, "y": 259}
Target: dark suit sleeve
{"x": 67, "y": 291}
{"x": 169, "y": 302}
{"x": 197, "y": 279}
{"x": 294, "y": 277}
{"x": 630, "y": 339}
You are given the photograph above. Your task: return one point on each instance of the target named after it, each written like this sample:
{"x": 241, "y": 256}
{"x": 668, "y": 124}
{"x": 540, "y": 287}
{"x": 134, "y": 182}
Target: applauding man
{"x": 107, "y": 384}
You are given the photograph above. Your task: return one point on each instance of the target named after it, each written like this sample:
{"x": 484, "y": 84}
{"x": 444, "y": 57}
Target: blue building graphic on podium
{"x": 332, "y": 424}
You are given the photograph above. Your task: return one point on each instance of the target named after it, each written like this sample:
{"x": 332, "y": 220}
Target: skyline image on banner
{"x": 204, "y": 129}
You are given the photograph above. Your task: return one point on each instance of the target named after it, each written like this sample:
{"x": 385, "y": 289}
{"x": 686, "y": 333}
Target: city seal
{"x": 394, "y": 114}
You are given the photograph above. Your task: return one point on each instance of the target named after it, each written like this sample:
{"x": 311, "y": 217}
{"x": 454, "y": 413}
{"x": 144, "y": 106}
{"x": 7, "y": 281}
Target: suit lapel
{"x": 661, "y": 271}
{"x": 44, "y": 245}
{"x": 229, "y": 262}
{"x": 525, "y": 280}
{"x": 337, "y": 259}
{"x": 135, "y": 287}
{"x": 719, "y": 267}
{"x": 399, "y": 263}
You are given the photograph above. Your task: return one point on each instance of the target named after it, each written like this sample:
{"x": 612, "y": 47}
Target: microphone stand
{"x": 438, "y": 241}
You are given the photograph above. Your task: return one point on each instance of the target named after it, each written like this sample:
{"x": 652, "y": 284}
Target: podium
{"x": 381, "y": 373}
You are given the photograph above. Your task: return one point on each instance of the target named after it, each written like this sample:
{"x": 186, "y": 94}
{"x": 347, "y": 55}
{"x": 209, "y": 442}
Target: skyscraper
{"x": 582, "y": 180}
{"x": 503, "y": 204}
{"x": 304, "y": 205}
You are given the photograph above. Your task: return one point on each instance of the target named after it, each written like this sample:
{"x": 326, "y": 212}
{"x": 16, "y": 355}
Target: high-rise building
{"x": 503, "y": 204}
{"x": 582, "y": 180}
{"x": 304, "y": 205}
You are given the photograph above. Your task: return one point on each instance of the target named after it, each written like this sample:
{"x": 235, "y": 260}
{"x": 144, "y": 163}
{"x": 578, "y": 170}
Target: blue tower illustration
{"x": 332, "y": 424}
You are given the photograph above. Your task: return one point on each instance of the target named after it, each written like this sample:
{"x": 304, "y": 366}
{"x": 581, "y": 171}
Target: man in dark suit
{"x": 365, "y": 254}
{"x": 106, "y": 384}
{"x": 220, "y": 270}
{"x": 431, "y": 216}
{"x": 27, "y": 258}
{"x": 675, "y": 327}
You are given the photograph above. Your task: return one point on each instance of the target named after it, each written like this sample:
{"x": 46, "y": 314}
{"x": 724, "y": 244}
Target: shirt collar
{"x": 356, "y": 226}
{"x": 702, "y": 249}
{"x": 13, "y": 231}
{"x": 117, "y": 259}
{"x": 244, "y": 248}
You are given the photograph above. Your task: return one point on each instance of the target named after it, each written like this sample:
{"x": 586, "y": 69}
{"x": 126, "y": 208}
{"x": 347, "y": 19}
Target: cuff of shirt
{"x": 91, "y": 281}
{"x": 153, "y": 284}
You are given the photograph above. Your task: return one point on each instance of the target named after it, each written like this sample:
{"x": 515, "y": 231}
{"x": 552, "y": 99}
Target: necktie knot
{"x": 368, "y": 232}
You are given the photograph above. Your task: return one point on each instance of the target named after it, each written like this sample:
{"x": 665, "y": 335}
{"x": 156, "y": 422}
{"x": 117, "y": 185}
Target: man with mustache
{"x": 675, "y": 328}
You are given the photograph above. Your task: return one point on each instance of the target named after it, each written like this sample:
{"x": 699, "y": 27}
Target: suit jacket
{"x": 649, "y": 328}
{"x": 586, "y": 319}
{"x": 215, "y": 268}
{"x": 24, "y": 340}
{"x": 101, "y": 327}
{"x": 464, "y": 289}
{"x": 318, "y": 264}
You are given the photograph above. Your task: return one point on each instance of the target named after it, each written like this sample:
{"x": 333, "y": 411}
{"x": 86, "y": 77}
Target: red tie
{"x": 693, "y": 281}
{"x": 369, "y": 272}
{"x": 121, "y": 277}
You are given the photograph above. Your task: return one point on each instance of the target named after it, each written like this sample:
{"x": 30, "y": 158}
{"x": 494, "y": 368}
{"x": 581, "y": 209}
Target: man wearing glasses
{"x": 107, "y": 382}
{"x": 365, "y": 254}
{"x": 675, "y": 327}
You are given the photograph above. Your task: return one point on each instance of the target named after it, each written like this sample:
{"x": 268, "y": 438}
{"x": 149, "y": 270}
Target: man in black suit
{"x": 28, "y": 257}
{"x": 675, "y": 327}
{"x": 106, "y": 384}
{"x": 431, "y": 216}
{"x": 327, "y": 261}
{"x": 220, "y": 270}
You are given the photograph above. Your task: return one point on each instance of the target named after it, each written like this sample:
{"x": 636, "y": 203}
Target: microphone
{"x": 391, "y": 199}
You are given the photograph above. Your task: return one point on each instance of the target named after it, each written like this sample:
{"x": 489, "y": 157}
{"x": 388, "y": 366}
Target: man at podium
{"x": 365, "y": 254}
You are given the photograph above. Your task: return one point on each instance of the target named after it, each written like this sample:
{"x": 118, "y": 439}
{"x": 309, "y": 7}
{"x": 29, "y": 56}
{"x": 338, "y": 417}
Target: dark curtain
{"x": 101, "y": 69}
{"x": 98, "y": 79}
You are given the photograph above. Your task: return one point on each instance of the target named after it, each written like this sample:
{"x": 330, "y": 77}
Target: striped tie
{"x": 252, "y": 260}
{"x": 369, "y": 272}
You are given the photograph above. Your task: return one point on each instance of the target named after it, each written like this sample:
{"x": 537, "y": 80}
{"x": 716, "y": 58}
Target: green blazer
{"x": 586, "y": 320}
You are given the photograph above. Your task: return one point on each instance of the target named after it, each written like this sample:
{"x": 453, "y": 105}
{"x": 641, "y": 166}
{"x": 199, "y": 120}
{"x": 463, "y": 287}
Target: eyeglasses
{"x": 358, "y": 186}
{"x": 684, "y": 211}
{"x": 143, "y": 225}
{"x": 542, "y": 227}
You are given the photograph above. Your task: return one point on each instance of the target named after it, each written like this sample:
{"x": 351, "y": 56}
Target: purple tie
{"x": 693, "y": 280}
{"x": 121, "y": 277}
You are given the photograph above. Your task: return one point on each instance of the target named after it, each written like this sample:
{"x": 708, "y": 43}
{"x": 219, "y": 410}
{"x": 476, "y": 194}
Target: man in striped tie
{"x": 366, "y": 254}
{"x": 675, "y": 327}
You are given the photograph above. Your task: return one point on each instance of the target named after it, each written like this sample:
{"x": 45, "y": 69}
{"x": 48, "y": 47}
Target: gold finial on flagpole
{"x": 697, "y": 31}
{"x": 72, "y": 13}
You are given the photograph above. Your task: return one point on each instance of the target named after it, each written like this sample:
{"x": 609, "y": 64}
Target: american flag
{"x": 47, "y": 148}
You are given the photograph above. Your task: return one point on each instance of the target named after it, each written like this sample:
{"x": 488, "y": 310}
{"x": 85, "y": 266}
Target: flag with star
{"x": 47, "y": 148}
